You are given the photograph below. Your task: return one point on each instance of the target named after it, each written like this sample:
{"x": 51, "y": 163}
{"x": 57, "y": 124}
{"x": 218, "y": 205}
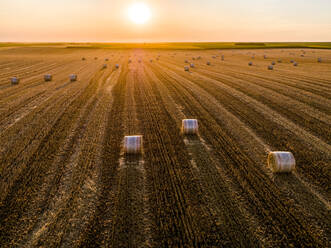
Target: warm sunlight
{"x": 139, "y": 13}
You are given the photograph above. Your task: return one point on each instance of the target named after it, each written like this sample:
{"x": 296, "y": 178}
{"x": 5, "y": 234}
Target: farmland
{"x": 66, "y": 182}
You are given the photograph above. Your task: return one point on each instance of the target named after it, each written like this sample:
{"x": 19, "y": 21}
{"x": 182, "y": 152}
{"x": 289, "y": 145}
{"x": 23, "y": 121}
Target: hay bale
{"x": 292, "y": 61}
{"x": 193, "y": 58}
{"x": 83, "y": 58}
{"x": 273, "y": 62}
{"x": 319, "y": 60}
{"x": 250, "y": 63}
{"x": 270, "y": 67}
{"x": 281, "y": 162}
{"x": 222, "y": 58}
{"x": 186, "y": 68}
{"x": 186, "y": 61}
{"x": 130, "y": 60}
{"x": 133, "y": 144}
{"x": 106, "y": 59}
{"x": 14, "y": 80}
{"x": 190, "y": 126}
{"x": 302, "y": 55}
{"x": 139, "y": 60}
{"x": 295, "y": 64}
{"x": 279, "y": 61}
{"x": 73, "y": 77}
{"x": 104, "y": 66}
{"x": 117, "y": 66}
{"x": 265, "y": 56}
{"x": 48, "y": 77}
{"x": 192, "y": 65}
{"x": 151, "y": 61}
{"x": 95, "y": 58}
{"x": 208, "y": 63}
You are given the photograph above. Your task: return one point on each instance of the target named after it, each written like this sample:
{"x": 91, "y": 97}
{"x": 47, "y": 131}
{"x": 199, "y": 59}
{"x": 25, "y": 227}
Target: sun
{"x": 139, "y": 13}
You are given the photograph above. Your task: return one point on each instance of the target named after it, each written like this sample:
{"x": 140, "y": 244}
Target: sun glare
{"x": 139, "y": 13}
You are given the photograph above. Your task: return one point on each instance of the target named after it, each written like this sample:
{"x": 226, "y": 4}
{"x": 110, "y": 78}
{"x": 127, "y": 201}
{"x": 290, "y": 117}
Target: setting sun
{"x": 139, "y": 13}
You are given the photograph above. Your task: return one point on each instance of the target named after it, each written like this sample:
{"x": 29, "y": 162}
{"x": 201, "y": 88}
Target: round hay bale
{"x": 280, "y": 162}
{"x": 295, "y": 63}
{"x": 192, "y": 65}
{"x": 208, "y": 63}
{"x": 302, "y": 55}
{"x": 95, "y": 58}
{"x": 250, "y": 63}
{"x": 279, "y": 61}
{"x": 186, "y": 61}
{"x": 14, "y": 80}
{"x": 273, "y": 62}
{"x": 292, "y": 61}
{"x": 130, "y": 61}
{"x": 151, "y": 61}
{"x": 83, "y": 58}
{"x": 73, "y": 77}
{"x": 190, "y": 126}
{"x": 48, "y": 77}
{"x": 270, "y": 67}
{"x": 186, "y": 68}
{"x": 265, "y": 56}
{"x": 104, "y": 66}
{"x": 117, "y": 66}
{"x": 319, "y": 60}
{"x": 199, "y": 57}
{"x": 133, "y": 144}
{"x": 193, "y": 58}
{"x": 139, "y": 60}
{"x": 106, "y": 59}
{"x": 222, "y": 58}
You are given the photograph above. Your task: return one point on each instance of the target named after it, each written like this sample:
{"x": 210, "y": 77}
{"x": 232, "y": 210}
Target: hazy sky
{"x": 172, "y": 20}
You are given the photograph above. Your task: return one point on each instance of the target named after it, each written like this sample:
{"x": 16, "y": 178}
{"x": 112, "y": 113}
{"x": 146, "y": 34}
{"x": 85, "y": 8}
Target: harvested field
{"x": 65, "y": 180}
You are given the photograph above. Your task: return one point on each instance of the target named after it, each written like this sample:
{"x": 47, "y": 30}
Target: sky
{"x": 171, "y": 20}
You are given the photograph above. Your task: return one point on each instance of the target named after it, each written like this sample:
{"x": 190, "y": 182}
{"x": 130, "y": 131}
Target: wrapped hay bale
{"x": 117, "y": 66}
{"x": 250, "y": 63}
{"x": 208, "y": 63}
{"x": 270, "y": 67}
{"x": 190, "y": 126}
{"x": 192, "y": 65}
{"x": 295, "y": 64}
{"x": 281, "y": 161}
{"x": 133, "y": 144}
{"x": 273, "y": 62}
{"x": 292, "y": 61}
{"x": 14, "y": 80}
{"x": 186, "y": 68}
{"x": 48, "y": 77}
{"x": 73, "y": 77}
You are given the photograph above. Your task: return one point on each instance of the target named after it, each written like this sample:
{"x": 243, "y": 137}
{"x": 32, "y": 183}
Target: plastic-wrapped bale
{"x": 250, "y": 63}
{"x": 14, "y": 80}
{"x": 186, "y": 68}
{"x": 208, "y": 63}
{"x": 295, "y": 63}
{"x": 319, "y": 60}
{"x": 292, "y": 61}
{"x": 133, "y": 144}
{"x": 190, "y": 126}
{"x": 273, "y": 62}
{"x": 270, "y": 67}
{"x": 73, "y": 77}
{"x": 117, "y": 66}
{"x": 281, "y": 161}
{"x": 192, "y": 65}
{"x": 104, "y": 66}
{"x": 48, "y": 77}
